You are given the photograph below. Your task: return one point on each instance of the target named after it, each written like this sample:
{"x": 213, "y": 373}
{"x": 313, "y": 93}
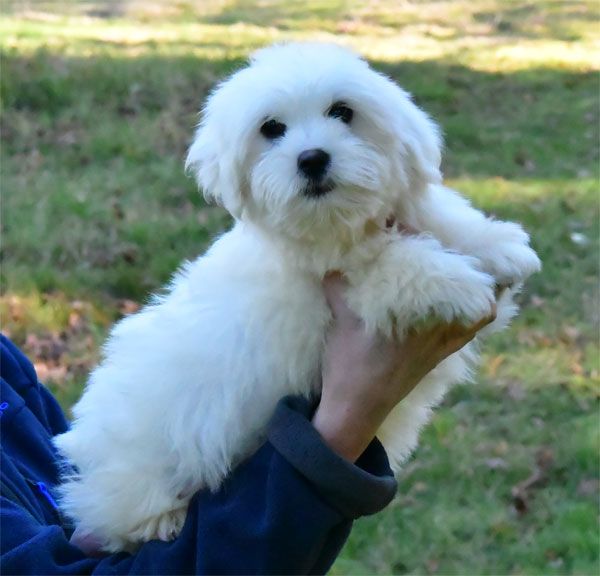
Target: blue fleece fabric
{"x": 288, "y": 509}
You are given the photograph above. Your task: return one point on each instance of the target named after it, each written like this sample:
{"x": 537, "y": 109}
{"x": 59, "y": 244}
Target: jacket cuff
{"x": 355, "y": 490}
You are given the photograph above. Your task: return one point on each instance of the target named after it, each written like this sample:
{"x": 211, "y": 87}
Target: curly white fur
{"x": 188, "y": 384}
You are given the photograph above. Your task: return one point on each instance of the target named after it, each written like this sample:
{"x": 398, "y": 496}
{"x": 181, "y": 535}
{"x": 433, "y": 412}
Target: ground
{"x": 99, "y": 100}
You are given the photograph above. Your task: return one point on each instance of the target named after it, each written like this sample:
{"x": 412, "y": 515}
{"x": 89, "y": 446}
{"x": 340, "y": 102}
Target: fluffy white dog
{"x": 310, "y": 150}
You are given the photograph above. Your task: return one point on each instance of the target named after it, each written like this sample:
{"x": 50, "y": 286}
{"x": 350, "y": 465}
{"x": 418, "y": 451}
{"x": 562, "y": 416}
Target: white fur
{"x": 188, "y": 384}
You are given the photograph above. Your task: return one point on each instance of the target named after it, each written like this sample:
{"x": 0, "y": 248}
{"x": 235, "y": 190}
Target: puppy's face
{"x": 308, "y": 138}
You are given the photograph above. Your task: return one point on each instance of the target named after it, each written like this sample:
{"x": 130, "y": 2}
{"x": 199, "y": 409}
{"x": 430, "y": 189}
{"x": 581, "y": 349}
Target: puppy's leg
{"x": 165, "y": 526}
{"x": 501, "y": 247}
{"x": 122, "y": 505}
{"x": 414, "y": 278}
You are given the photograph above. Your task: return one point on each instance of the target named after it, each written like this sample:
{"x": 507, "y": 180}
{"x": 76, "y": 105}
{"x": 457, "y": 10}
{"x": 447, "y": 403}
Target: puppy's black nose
{"x": 313, "y": 163}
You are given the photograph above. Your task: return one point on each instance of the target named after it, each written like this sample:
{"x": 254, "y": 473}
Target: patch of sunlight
{"x": 501, "y": 189}
{"x": 541, "y": 365}
{"x": 535, "y": 53}
{"x": 484, "y": 53}
{"x": 34, "y": 312}
{"x": 476, "y": 46}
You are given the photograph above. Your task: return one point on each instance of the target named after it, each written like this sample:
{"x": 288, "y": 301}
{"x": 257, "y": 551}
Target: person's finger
{"x": 462, "y": 330}
{"x": 334, "y": 287}
{"x": 91, "y": 545}
{"x": 487, "y": 319}
{"x": 457, "y": 336}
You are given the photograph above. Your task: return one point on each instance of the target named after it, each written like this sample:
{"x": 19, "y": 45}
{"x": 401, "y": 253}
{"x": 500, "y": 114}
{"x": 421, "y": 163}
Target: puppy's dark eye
{"x": 272, "y": 129}
{"x": 341, "y": 111}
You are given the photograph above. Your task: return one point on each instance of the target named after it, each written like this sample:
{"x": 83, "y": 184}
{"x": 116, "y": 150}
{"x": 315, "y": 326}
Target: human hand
{"x": 88, "y": 543}
{"x": 364, "y": 376}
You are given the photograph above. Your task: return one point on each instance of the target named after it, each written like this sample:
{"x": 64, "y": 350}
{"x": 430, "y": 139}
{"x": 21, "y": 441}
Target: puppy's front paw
{"x": 510, "y": 259}
{"x": 451, "y": 288}
{"x": 414, "y": 279}
{"x": 462, "y": 291}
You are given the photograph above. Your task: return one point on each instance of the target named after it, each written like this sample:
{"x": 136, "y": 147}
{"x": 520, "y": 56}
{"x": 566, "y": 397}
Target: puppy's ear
{"x": 215, "y": 169}
{"x": 417, "y": 139}
{"x": 423, "y": 142}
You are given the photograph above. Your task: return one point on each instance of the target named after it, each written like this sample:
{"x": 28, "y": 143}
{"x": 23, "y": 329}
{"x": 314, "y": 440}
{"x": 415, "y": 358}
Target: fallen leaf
{"x": 432, "y": 565}
{"x": 129, "y": 254}
{"x": 496, "y": 464}
{"x": 536, "y": 301}
{"x": 45, "y": 347}
{"x": 554, "y": 560}
{"x": 588, "y": 487}
{"x": 117, "y": 210}
{"x": 47, "y": 372}
{"x": 570, "y": 334}
{"x": 579, "y": 239}
{"x": 419, "y": 487}
{"x": 501, "y": 448}
{"x": 544, "y": 459}
{"x": 494, "y": 364}
{"x": 521, "y": 493}
{"x": 128, "y": 306}
{"x": 520, "y": 503}
{"x": 577, "y": 369}
{"x": 515, "y": 391}
{"x": 76, "y": 321}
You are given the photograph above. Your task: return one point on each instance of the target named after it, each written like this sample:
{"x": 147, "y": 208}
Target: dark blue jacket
{"x": 287, "y": 510}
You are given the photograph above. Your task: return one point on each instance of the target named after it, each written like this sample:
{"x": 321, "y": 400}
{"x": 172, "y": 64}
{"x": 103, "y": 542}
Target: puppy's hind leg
{"x": 164, "y": 526}
{"x": 122, "y": 509}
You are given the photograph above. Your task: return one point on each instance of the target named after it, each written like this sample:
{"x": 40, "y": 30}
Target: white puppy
{"x": 310, "y": 150}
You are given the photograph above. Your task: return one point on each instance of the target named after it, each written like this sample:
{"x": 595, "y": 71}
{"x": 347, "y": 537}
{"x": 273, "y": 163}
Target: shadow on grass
{"x": 98, "y": 144}
{"x": 541, "y": 122}
{"x": 554, "y": 19}
{"x": 283, "y": 15}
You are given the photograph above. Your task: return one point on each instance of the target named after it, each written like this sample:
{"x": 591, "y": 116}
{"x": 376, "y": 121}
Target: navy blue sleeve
{"x": 18, "y": 371}
{"x": 288, "y": 509}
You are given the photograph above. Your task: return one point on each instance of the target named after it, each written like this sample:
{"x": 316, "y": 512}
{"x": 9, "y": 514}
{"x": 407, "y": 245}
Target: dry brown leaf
{"x": 570, "y": 334}
{"x": 588, "y": 487}
{"x": 128, "y": 306}
{"x": 494, "y": 364}
{"x": 515, "y": 391}
{"x": 521, "y": 493}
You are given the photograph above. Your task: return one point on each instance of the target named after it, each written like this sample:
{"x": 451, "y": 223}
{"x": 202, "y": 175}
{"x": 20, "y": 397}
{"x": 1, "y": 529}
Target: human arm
{"x": 287, "y": 509}
{"x": 365, "y": 377}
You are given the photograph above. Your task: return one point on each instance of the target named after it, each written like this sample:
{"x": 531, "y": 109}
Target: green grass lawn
{"x": 99, "y": 100}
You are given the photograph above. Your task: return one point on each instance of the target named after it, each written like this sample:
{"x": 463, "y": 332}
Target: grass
{"x": 98, "y": 104}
